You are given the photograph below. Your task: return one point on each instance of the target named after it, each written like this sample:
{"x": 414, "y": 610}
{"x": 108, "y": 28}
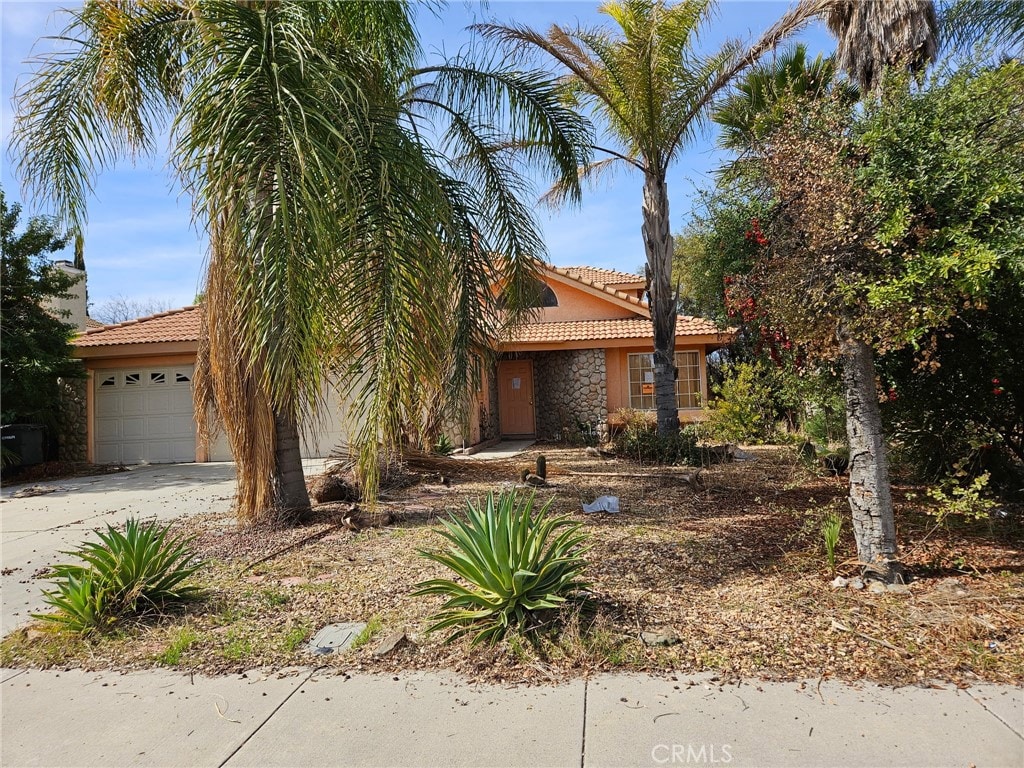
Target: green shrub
{"x": 955, "y": 402}
{"x": 954, "y": 496}
{"x": 81, "y": 603}
{"x": 746, "y": 405}
{"x": 825, "y": 424}
{"x": 122, "y": 574}
{"x": 639, "y": 440}
{"x": 831, "y": 527}
{"x": 443, "y": 446}
{"x": 517, "y": 565}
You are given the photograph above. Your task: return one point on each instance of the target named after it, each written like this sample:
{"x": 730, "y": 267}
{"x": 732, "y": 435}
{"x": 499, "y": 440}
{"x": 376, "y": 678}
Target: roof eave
{"x": 135, "y": 349}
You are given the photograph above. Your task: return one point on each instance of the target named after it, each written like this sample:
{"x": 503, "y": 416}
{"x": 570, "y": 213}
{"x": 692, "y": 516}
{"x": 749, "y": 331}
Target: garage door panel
{"x": 183, "y": 450}
{"x": 180, "y": 399}
{"x": 108, "y": 454}
{"x": 158, "y": 402}
{"x": 107, "y": 406}
{"x": 133, "y": 403}
{"x": 158, "y": 425}
{"x": 133, "y": 427}
{"x": 159, "y": 452}
{"x": 108, "y": 429}
{"x": 133, "y": 453}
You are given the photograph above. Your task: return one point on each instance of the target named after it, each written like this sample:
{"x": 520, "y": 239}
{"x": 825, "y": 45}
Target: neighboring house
{"x": 584, "y": 356}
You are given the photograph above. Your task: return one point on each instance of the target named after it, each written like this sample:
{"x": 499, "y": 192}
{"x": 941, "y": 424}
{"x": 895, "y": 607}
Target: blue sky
{"x": 140, "y": 242}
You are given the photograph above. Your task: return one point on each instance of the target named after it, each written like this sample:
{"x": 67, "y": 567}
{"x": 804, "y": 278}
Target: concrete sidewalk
{"x": 313, "y": 719}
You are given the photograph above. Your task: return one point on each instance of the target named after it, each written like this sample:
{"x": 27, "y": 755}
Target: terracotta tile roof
{"x": 605, "y": 276}
{"x": 176, "y": 325}
{"x": 596, "y": 330}
{"x": 564, "y": 272}
{"x": 90, "y": 324}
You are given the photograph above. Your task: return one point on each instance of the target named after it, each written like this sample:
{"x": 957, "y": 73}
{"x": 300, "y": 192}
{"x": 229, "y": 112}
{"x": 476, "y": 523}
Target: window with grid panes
{"x": 641, "y": 381}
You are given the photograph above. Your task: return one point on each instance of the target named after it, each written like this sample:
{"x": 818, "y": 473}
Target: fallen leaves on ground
{"x": 734, "y": 570}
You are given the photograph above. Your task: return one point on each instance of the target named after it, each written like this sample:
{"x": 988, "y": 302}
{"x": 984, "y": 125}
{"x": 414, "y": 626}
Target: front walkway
{"x": 432, "y": 719}
{"x": 506, "y": 449}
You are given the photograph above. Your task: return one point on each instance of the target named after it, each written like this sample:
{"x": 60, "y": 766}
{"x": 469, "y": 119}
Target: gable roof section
{"x": 175, "y": 325}
{"x": 562, "y": 275}
{"x": 606, "y": 276}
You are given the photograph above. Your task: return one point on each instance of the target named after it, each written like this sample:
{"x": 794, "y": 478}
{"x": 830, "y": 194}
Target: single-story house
{"x": 585, "y": 355}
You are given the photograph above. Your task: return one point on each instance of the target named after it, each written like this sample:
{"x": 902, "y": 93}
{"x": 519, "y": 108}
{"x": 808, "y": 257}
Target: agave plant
{"x": 516, "y": 563}
{"x": 122, "y": 573}
{"x": 81, "y": 604}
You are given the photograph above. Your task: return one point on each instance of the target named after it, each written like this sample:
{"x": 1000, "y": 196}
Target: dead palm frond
{"x": 873, "y": 36}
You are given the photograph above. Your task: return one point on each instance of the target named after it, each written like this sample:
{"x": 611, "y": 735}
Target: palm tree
{"x": 757, "y": 102}
{"x": 343, "y": 243}
{"x": 649, "y": 87}
{"x": 872, "y": 37}
{"x": 1001, "y": 22}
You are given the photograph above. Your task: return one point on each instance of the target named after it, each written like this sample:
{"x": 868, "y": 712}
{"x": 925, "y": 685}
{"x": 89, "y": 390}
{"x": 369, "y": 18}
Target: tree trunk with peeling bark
{"x": 874, "y": 525}
{"x": 659, "y": 245}
{"x": 292, "y": 497}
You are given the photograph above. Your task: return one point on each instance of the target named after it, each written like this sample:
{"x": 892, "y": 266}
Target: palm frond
{"x": 989, "y": 22}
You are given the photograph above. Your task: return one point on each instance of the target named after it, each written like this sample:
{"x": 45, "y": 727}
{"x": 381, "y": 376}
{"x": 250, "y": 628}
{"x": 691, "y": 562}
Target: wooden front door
{"x": 515, "y": 397}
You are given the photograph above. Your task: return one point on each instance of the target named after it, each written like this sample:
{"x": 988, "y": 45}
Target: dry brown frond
{"x": 228, "y": 390}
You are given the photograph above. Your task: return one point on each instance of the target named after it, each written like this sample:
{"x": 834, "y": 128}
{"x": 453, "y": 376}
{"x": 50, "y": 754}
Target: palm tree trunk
{"x": 658, "y": 244}
{"x": 292, "y": 497}
{"x": 874, "y": 526}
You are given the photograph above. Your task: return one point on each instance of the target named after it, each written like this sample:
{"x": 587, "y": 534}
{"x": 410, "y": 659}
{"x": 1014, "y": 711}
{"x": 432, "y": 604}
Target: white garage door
{"x": 144, "y": 415}
{"x": 319, "y": 440}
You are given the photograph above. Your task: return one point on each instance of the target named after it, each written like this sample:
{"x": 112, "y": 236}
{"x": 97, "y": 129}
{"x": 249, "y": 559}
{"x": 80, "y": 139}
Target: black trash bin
{"x": 27, "y": 441}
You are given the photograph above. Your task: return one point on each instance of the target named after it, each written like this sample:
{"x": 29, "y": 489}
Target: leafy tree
{"x": 756, "y": 103}
{"x": 343, "y": 242}
{"x": 35, "y": 348}
{"x": 872, "y": 39}
{"x": 955, "y": 404}
{"x": 718, "y": 248}
{"x": 649, "y": 86}
{"x": 887, "y": 220}
{"x": 718, "y": 242}
{"x": 119, "y": 308}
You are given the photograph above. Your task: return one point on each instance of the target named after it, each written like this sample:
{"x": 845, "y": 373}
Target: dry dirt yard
{"x": 731, "y": 573}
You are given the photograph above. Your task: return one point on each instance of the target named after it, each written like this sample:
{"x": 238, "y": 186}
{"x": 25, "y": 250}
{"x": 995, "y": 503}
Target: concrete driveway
{"x": 37, "y": 528}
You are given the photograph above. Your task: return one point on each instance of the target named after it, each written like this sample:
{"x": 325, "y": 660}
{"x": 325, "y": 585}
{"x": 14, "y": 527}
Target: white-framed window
{"x": 641, "y": 381}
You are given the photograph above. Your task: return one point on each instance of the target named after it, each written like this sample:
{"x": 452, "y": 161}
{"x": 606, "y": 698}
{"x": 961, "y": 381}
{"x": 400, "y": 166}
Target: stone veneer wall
{"x": 73, "y": 437}
{"x": 490, "y": 421}
{"x": 570, "y": 388}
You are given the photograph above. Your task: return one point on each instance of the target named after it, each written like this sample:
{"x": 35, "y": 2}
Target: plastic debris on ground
{"x": 603, "y": 504}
